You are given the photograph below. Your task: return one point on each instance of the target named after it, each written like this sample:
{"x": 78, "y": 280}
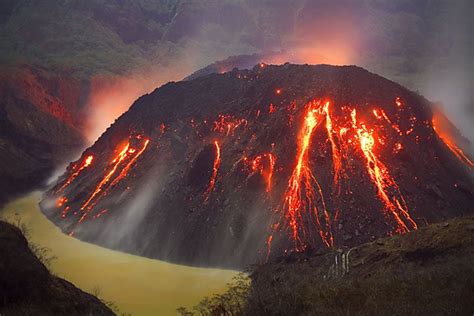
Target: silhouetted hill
{"x": 28, "y": 288}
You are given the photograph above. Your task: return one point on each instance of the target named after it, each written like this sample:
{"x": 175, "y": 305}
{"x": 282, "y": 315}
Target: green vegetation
{"x": 426, "y": 272}
{"x": 27, "y": 287}
{"x": 232, "y": 302}
{"x": 44, "y": 254}
{"x": 97, "y": 292}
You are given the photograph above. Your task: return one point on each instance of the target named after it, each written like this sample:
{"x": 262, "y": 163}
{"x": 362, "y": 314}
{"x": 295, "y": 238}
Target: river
{"x": 137, "y": 285}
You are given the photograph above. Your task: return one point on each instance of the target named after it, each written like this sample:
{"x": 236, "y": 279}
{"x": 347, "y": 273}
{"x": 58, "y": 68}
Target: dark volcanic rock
{"x": 27, "y": 287}
{"x": 239, "y": 62}
{"x": 163, "y": 206}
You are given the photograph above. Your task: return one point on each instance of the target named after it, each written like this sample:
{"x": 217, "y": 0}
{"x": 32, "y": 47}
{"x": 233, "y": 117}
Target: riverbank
{"x": 137, "y": 285}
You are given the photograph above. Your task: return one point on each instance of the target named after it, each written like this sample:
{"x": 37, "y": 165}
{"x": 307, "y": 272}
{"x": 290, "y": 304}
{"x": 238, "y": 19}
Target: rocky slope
{"x": 227, "y": 169}
{"x": 427, "y": 272}
{"x": 28, "y": 288}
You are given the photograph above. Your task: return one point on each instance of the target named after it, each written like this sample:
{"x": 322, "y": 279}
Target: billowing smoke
{"x": 117, "y": 233}
{"x": 448, "y": 78}
{"x": 424, "y": 45}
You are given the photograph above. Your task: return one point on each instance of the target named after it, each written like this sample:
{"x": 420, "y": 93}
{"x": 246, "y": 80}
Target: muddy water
{"x": 136, "y": 285}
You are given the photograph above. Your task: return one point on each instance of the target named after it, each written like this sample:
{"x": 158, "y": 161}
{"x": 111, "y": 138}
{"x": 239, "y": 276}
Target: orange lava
{"x": 215, "y": 169}
{"x": 123, "y": 161}
{"x": 125, "y": 170}
{"x": 447, "y": 139}
{"x": 271, "y": 108}
{"x": 116, "y": 162}
{"x": 264, "y": 164}
{"x": 86, "y": 163}
{"x": 336, "y": 155}
{"x": 228, "y": 124}
{"x": 380, "y": 114}
{"x": 61, "y": 201}
{"x": 303, "y": 190}
{"x": 387, "y": 189}
{"x": 398, "y": 101}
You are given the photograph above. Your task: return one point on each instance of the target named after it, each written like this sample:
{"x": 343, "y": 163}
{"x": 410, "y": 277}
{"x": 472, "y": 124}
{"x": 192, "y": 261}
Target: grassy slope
{"x": 427, "y": 272}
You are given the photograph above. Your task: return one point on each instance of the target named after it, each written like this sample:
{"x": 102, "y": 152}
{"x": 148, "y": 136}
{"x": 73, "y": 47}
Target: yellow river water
{"x": 136, "y": 285}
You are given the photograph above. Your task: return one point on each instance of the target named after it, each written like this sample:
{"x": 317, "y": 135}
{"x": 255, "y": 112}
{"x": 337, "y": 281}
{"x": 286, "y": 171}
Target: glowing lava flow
{"x": 121, "y": 156}
{"x": 106, "y": 183}
{"x": 336, "y": 155}
{"x": 380, "y": 114}
{"x": 86, "y": 163}
{"x": 437, "y": 126}
{"x": 122, "y": 173}
{"x": 269, "y": 174}
{"x": 456, "y": 151}
{"x": 228, "y": 124}
{"x": 265, "y": 169}
{"x": 215, "y": 169}
{"x": 380, "y": 176}
{"x": 125, "y": 170}
{"x": 301, "y": 198}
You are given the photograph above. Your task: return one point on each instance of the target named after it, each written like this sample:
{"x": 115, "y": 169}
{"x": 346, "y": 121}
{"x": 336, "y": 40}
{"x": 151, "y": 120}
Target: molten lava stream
{"x": 86, "y": 163}
{"x": 228, "y": 124}
{"x": 122, "y": 173}
{"x": 445, "y": 137}
{"x": 303, "y": 190}
{"x": 457, "y": 151}
{"x": 269, "y": 173}
{"x": 265, "y": 169}
{"x": 126, "y": 169}
{"x": 116, "y": 162}
{"x": 106, "y": 183}
{"x": 336, "y": 154}
{"x": 380, "y": 176}
{"x": 215, "y": 169}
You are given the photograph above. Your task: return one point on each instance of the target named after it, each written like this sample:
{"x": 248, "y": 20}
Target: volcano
{"x": 241, "y": 167}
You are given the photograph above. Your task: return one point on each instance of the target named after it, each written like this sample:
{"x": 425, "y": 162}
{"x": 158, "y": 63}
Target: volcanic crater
{"x": 236, "y": 168}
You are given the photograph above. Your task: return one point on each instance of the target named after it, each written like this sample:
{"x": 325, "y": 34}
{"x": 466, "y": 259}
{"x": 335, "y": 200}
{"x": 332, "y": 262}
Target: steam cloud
{"x": 424, "y": 45}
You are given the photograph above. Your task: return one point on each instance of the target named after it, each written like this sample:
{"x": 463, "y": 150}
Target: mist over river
{"x": 136, "y": 285}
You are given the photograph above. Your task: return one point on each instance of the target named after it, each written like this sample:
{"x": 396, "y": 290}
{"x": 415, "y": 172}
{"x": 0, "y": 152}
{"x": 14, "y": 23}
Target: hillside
{"x": 40, "y": 120}
{"x": 28, "y": 288}
{"x": 227, "y": 169}
{"x": 427, "y": 272}
{"x": 65, "y": 46}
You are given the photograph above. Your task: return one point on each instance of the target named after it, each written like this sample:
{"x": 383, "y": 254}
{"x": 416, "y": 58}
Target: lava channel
{"x": 304, "y": 191}
{"x": 86, "y": 163}
{"x": 380, "y": 176}
{"x": 215, "y": 169}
